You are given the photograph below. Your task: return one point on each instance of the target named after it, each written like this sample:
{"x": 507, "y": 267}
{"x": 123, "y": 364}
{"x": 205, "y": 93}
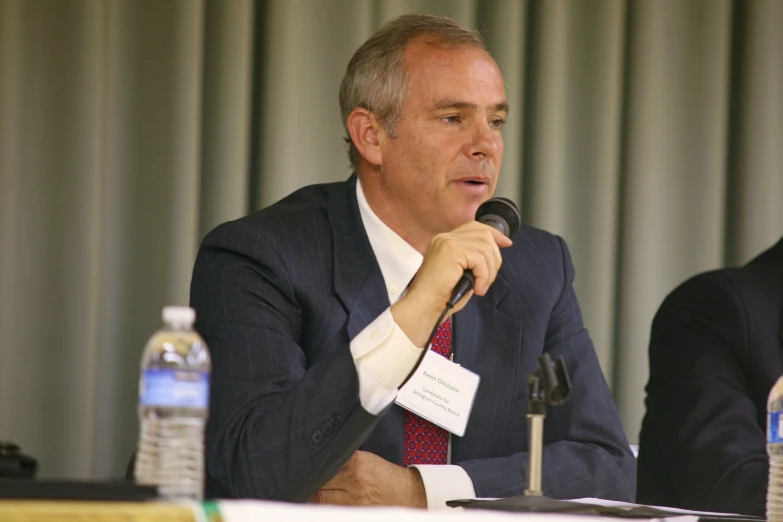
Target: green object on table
{"x": 212, "y": 511}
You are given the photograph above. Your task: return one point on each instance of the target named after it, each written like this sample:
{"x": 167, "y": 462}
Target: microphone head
{"x": 500, "y": 213}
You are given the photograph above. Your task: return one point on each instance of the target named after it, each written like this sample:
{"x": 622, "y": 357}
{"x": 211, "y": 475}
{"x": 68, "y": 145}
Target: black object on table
{"x": 123, "y": 490}
{"x": 14, "y": 463}
{"x": 533, "y": 504}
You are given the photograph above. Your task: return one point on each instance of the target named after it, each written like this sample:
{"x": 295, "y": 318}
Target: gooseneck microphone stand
{"x": 549, "y": 385}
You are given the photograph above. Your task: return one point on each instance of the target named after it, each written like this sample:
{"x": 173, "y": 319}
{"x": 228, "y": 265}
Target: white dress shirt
{"x": 384, "y": 355}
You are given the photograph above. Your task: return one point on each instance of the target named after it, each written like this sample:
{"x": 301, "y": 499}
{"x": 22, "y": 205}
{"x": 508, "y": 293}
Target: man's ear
{"x": 364, "y": 129}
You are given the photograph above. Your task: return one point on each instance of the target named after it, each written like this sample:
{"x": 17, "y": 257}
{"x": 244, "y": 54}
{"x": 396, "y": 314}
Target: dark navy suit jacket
{"x": 280, "y": 293}
{"x": 716, "y": 350}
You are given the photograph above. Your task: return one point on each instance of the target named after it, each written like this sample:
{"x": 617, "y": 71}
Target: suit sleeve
{"x": 698, "y": 400}
{"x": 278, "y": 427}
{"x": 586, "y": 453}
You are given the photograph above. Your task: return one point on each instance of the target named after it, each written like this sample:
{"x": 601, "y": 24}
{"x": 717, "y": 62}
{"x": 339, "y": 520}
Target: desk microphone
{"x": 501, "y": 214}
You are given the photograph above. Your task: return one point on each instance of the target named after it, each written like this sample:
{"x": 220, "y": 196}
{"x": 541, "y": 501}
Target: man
{"x": 715, "y": 353}
{"x": 314, "y": 318}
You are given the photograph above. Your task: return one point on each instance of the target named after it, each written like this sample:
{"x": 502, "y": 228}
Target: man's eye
{"x": 497, "y": 124}
{"x": 452, "y": 119}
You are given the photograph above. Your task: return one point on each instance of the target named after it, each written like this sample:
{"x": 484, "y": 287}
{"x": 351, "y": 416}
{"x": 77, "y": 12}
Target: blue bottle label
{"x": 774, "y": 427}
{"x": 174, "y": 388}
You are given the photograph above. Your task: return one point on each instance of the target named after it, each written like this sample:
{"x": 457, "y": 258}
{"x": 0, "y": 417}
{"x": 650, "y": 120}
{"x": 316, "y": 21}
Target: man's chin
{"x": 461, "y": 212}
{"x": 461, "y": 219}
{"x": 471, "y": 208}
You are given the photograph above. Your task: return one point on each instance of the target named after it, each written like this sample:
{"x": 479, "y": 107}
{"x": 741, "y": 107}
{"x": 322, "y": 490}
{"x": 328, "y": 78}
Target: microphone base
{"x": 529, "y": 504}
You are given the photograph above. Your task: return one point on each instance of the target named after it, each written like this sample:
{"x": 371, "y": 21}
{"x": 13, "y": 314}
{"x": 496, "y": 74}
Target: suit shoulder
{"x": 724, "y": 286}
{"x": 716, "y": 297}
{"x": 711, "y": 284}
{"x": 305, "y": 208}
{"x": 742, "y": 304}
{"x": 545, "y": 244}
{"x": 296, "y": 208}
{"x": 538, "y": 257}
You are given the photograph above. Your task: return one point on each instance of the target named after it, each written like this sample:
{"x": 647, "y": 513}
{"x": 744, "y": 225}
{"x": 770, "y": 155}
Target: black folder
{"x": 29, "y": 489}
{"x": 533, "y": 504}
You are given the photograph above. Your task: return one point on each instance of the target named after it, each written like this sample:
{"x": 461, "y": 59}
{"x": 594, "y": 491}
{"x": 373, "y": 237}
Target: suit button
{"x": 317, "y": 437}
{"x": 327, "y": 429}
{"x": 335, "y": 420}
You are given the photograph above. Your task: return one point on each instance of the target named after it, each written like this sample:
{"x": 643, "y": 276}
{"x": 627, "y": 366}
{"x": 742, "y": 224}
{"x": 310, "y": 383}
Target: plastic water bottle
{"x": 173, "y": 407}
{"x": 775, "y": 452}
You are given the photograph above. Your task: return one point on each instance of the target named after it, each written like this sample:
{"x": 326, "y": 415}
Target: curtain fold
{"x": 754, "y": 146}
{"x": 673, "y": 212}
{"x": 504, "y": 24}
{"x": 573, "y": 145}
{"x": 227, "y": 110}
{"x": 646, "y": 132}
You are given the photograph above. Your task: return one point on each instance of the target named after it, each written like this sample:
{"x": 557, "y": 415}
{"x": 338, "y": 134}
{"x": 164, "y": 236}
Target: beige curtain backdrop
{"x": 649, "y": 133}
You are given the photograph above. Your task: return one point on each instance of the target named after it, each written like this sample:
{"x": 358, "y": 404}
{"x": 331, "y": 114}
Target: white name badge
{"x": 441, "y": 392}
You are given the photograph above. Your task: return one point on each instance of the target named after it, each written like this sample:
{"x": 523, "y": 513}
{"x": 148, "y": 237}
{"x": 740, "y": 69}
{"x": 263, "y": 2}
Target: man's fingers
{"x": 493, "y": 260}
{"x": 336, "y": 490}
{"x": 484, "y": 260}
{"x": 497, "y": 236}
{"x": 500, "y": 238}
{"x": 482, "y": 272}
{"x": 343, "y": 477}
{"x": 339, "y": 481}
{"x": 484, "y": 239}
{"x": 334, "y": 496}
{"x": 473, "y": 246}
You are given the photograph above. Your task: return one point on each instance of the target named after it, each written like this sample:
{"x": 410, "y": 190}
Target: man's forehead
{"x": 430, "y": 69}
{"x": 425, "y": 63}
{"x": 423, "y": 50}
{"x": 440, "y": 104}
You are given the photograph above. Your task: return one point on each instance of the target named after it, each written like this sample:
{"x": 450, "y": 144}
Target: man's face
{"x": 446, "y": 158}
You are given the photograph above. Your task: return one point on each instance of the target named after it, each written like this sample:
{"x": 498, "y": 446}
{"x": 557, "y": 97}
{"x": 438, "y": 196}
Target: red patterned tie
{"x": 425, "y": 443}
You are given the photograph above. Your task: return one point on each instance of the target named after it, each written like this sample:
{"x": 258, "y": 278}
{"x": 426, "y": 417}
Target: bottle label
{"x": 174, "y": 388}
{"x": 774, "y": 427}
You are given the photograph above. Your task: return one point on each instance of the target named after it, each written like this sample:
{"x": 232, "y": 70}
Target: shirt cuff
{"x": 383, "y": 356}
{"x": 444, "y": 482}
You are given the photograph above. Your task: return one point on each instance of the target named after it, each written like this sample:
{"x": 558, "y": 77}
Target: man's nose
{"x": 485, "y": 141}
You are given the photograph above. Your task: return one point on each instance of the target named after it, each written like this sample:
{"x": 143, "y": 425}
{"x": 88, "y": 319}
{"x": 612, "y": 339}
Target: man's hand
{"x": 473, "y": 246}
{"x": 367, "y": 479}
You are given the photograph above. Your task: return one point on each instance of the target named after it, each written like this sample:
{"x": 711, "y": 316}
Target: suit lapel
{"x": 470, "y": 326}
{"x": 359, "y": 284}
{"x": 487, "y": 341}
{"x": 358, "y": 280}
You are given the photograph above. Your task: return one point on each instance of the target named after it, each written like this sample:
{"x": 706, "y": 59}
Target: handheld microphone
{"x": 501, "y": 214}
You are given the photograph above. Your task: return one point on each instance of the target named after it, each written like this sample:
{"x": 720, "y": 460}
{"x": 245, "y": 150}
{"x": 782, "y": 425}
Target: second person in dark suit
{"x": 716, "y": 350}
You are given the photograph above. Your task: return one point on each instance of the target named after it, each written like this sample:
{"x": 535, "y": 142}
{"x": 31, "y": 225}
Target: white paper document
{"x": 255, "y": 510}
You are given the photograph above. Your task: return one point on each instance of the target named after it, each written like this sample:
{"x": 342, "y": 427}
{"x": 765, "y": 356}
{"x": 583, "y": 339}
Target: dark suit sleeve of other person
{"x": 702, "y": 430}
{"x": 586, "y": 453}
{"x": 282, "y": 421}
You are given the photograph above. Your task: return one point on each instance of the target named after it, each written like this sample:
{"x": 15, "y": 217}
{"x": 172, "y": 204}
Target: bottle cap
{"x": 179, "y": 315}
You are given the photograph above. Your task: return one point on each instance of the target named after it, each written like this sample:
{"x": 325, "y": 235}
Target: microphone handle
{"x": 467, "y": 280}
{"x": 464, "y": 285}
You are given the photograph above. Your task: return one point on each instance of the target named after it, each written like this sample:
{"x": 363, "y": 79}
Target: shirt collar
{"x": 398, "y": 260}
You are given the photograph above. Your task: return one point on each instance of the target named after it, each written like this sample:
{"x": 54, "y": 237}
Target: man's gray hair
{"x": 375, "y": 78}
